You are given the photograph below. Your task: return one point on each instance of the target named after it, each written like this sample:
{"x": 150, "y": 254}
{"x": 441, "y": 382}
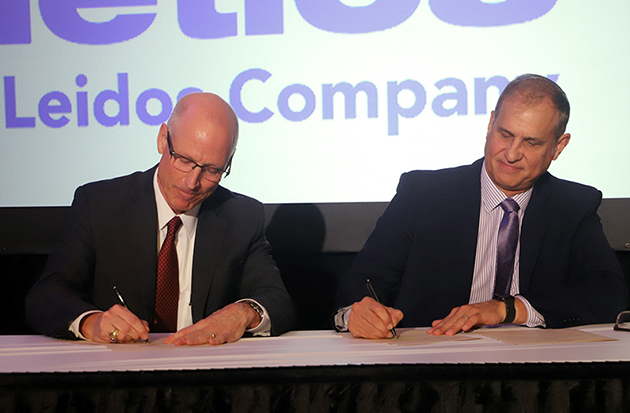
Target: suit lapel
{"x": 467, "y": 219}
{"x": 208, "y": 241}
{"x": 141, "y": 222}
{"x": 533, "y": 230}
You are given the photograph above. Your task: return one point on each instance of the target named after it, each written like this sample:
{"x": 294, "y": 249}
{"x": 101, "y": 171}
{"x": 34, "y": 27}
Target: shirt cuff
{"x": 341, "y": 318}
{"x": 263, "y": 329}
{"x": 75, "y": 327}
{"x": 534, "y": 318}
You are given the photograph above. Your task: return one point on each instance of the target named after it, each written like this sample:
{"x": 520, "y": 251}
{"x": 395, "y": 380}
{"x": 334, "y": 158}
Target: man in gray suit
{"x": 226, "y": 282}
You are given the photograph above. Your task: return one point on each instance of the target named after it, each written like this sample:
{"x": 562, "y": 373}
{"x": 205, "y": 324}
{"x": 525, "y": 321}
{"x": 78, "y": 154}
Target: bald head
{"x": 197, "y": 145}
{"x": 204, "y": 107}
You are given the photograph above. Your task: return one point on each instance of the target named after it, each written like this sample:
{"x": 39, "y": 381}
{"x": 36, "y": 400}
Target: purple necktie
{"x": 167, "y": 292}
{"x": 506, "y": 247}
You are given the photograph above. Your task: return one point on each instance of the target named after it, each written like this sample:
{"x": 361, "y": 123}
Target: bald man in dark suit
{"x": 228, "y": 282}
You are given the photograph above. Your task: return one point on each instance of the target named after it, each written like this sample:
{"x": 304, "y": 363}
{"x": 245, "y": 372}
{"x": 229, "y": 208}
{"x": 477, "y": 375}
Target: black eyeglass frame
{"x": 222, "y": 173}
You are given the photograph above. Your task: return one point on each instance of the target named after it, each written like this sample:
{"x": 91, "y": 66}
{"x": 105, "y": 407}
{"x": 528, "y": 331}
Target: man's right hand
{"x": 98, "y": 326}
{"x": 369, "y": 319}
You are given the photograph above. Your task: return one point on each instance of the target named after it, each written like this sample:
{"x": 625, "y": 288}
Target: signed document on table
{"x": 539, "y": 336}
{"x": 409, "y": 337}
{"x": 506, "y": 334}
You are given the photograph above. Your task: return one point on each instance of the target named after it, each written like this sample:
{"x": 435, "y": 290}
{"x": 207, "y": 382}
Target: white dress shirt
{"x": 185, "y": 245}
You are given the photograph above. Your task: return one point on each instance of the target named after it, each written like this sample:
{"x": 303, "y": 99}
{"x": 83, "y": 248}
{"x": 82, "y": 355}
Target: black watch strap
{"x": 510, "y": 309}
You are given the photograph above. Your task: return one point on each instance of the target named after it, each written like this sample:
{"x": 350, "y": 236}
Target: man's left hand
{"x": 476, "y": 315}
{"x": 223, "y": 326}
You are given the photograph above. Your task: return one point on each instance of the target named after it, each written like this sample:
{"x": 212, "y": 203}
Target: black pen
{"x": 375, "y": 297}
{"x": 122, "y": 301}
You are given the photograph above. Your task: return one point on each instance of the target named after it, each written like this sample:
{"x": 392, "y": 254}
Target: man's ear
{"x": 562, "y": 143}
{"x": 491, "y": 121}
{"x": 162, "y": 144}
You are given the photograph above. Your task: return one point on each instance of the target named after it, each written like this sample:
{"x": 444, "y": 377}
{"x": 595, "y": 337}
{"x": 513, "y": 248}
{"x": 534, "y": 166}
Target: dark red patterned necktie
{"x": 167, "y": 293}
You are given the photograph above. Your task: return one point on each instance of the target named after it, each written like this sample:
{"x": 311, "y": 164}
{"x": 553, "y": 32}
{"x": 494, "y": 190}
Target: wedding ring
{"x": 467, "y": 318}
{"x": 113, "y": 335}
{"x": 213, "y": 335}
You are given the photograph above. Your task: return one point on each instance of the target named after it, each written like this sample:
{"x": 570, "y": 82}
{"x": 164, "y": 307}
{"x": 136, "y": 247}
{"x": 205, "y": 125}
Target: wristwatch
{"x": 256, "y": 307}
{"x": 510, "y": 309}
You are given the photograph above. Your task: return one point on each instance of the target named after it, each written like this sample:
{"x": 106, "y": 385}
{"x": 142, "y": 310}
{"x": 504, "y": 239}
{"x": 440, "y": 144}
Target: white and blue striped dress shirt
{"x": 490, "y": 215}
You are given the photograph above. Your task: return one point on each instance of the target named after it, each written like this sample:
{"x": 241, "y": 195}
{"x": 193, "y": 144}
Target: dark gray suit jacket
{"x": 421, "y": 255}
{"x": 112, "y": 240}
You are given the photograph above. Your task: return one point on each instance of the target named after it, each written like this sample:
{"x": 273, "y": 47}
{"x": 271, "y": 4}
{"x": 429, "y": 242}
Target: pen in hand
{"x": 375, "y": 297}
{"x": 122, "y": 301}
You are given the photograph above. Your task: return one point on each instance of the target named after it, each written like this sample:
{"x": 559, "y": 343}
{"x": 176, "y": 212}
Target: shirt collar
{"x": 165, "y": 213}
{"x": 492, "y": 196}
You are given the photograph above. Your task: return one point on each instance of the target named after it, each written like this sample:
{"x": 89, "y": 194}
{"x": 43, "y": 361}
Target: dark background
{"x": 313, "y": 244}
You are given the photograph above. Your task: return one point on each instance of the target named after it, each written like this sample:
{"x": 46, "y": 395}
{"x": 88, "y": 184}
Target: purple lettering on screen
{"x": 263, "y": 17}
{"x": 349, "y": 93}
{"x": 481, "y": 91}
{"x": 460, "y": 96}
{"x": 121, "y": 97}
{"x": 394, "y": 110}
{"x": 62, "y": 18}
{"x": 309, "y": 102}
{"x": 82, "y": 102}
{"x": 236, "y": 89}
{"x": 199, "y": 19}
{"x": 15, "y": 22}
{"x": 165, "y": 103}
{"x": 47, "y": 106}
{"x": 10, "y": 107}
{"x": 334, "y": 16}
{"x": 479, "y": 14}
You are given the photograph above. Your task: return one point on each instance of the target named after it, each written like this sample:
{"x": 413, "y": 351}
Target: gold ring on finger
{"x": 213, "y": 335}
{"x": 466, "y": 315}
{"x": 113, "y": 335}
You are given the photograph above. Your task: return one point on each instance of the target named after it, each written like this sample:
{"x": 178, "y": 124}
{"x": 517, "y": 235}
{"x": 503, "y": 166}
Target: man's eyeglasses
{"x": 184, "y": 164}
{"x": 623, "y": 321}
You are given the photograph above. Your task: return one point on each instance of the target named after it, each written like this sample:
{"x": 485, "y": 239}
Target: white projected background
{"x": 423, "y": 90}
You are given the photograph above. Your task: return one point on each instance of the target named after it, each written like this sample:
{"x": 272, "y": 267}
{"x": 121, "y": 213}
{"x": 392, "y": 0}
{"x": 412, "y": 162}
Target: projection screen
{"x": 336, "y": 98}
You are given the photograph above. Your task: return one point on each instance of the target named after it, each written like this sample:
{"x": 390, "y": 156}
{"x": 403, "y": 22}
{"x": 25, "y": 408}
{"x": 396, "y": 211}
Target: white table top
{"x": 32, "y": 354}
